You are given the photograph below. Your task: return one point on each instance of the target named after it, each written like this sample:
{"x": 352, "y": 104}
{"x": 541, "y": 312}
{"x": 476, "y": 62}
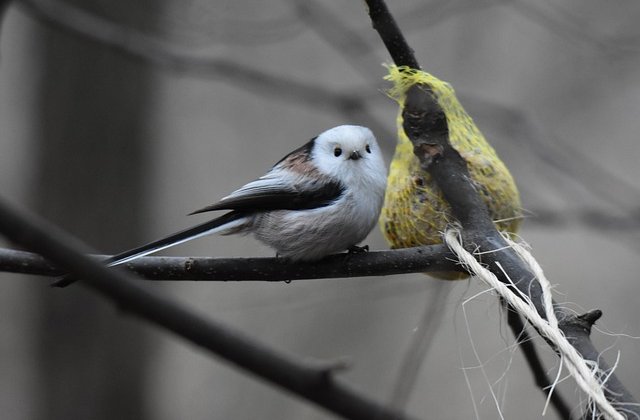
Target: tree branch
{"x": 449, "y": 170}
{"x": 139, "y": 46}
{"x": 383, "y": 22}
{"x": 378, "y": 263}
{"x": 532, "y": 358}
{"x": 142, "y": 47}
{"x": 314, "y": 383}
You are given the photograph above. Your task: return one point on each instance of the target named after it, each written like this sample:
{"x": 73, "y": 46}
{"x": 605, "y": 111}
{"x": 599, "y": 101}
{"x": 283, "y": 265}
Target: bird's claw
{"x": 354, "y": 249}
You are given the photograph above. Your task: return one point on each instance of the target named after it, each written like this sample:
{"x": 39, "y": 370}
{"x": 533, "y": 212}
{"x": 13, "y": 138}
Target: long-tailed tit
{"x": 320, "y": 199}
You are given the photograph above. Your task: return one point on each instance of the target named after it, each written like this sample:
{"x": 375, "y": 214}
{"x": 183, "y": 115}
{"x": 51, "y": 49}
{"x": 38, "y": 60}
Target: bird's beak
{"x": 355, "y": 155}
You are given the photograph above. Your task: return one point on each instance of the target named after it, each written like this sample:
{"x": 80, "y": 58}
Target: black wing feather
{"x": 285, "y": 199}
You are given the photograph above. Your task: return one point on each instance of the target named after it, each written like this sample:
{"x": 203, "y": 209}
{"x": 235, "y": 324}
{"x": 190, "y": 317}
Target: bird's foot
{"x": 354, "y": 249}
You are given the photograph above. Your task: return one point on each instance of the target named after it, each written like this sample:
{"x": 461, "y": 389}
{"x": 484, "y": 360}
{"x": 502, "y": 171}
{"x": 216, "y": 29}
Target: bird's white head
{"x": 350, "y": 154}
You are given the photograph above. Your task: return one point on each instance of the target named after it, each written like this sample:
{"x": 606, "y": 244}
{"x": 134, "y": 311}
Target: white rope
{"x": 578, "y": 367}
{"x": 547, "y": 302}
{"x": 547, "y": 297}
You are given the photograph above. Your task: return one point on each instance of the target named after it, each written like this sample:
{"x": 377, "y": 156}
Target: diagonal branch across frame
{"x": 310, "y": 381}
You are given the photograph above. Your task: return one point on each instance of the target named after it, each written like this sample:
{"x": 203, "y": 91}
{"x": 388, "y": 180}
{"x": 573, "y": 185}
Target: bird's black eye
{"x": 368, "y": 148}
{"x": 337, "y": 151}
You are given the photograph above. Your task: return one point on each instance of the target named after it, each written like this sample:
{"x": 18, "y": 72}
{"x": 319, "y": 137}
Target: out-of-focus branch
{"x": 551, "y": 16}
{"x": 139, "y": 46}
{"x": 563, "y": 24}
{"x": 449, "y": 170}
{"x": 147, "y": 49}
{"x": 213, "y": 27}
{"x": 556, "y": 154}
{"x": 346, "y": 41}
{"x": 592, "y": 218}
{"x": 315, "y": 383}
{"x": 378, "y": 263}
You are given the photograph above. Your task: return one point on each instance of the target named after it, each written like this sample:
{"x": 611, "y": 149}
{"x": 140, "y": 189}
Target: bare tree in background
{"x": 91, "y": 170}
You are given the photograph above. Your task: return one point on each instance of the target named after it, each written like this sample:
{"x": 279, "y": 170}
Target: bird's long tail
{"x": 232, "y": 221}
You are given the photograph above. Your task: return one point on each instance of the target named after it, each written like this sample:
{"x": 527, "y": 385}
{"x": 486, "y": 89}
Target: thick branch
{"x": 450, "y": 172}
{"x": 423, "y": 126}
{"x": 379, "y": 263}
{"x": 311, "y": 382}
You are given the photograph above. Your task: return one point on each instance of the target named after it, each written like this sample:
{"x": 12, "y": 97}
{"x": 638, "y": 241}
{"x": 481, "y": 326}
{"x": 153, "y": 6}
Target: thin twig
{"x": 342, "y": 38}
{"x": 535, "y": 363}
{"x": 420, "y": 343}
{"x": 375, "y": 263}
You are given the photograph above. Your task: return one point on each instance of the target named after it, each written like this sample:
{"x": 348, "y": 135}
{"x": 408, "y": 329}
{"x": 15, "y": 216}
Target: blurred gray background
{"x": 117, "y": 151}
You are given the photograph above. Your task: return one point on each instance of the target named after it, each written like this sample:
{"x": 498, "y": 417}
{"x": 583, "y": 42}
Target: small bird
{"x": 322, "y": 198}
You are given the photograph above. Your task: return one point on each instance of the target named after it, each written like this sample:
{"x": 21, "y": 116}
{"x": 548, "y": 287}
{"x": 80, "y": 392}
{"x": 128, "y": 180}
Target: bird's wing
{"x": 280, "y": 189}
